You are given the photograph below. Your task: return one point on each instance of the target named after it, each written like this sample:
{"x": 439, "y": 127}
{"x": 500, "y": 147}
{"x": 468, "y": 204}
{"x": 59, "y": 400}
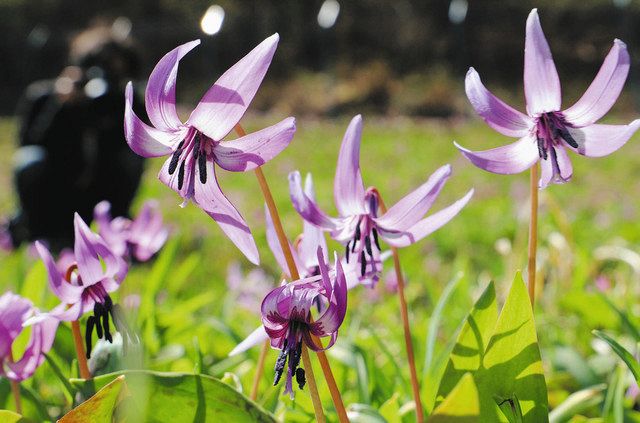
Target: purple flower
{"x": 286, "y": 316}
{"x": 359, "y": 226}
{"x": 194, "y": 146}
{"x": 14, "y": 312}
{"x": 87, "y": 283}
{"x": 249, "y": 289}
{"x": 546, "y": 133}
{"x": 140, "y": 238}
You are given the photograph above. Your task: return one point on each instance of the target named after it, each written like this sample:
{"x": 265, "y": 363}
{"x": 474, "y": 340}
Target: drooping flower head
{"x": 546, "y": 132}
{"x": 140, "y": 238}
{"x": 87, "y": 283}
{"x": 14, "y": 312}
{"x": 361, "y": 225}
{"x": 286, "y": 316}
{"x": 193, "y": 147}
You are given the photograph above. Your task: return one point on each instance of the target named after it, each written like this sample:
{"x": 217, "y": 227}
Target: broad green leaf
{"x": 180, "y": 397}
{"x": 625, "y": 318}
{"x": 622, "y": 352}
{"x": 512, "y": 368}
{"x": 100, "y": 407}
{"x": 576, "y": 403}
{"x": 461, "y": 406}
{"x": 7, "y": 416}
{"x": 504, "y": 359}
{"x": 390, "y": 410}
{"x": 468, "y": 353}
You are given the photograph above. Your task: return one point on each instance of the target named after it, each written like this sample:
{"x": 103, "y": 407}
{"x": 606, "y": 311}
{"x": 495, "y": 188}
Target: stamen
{"x": 202, "y": 166}
{"x": 196, "y": 146}
{"x": 542, "y": 151}
{"x": 98, "y": 310}
{"x": 375, "y": 238}
{"x": 181, "y": 175}
{"x": 280, "y": 363}
{"x": 300, "y": 377}
{"x": 367, "y": 244}
{"x": 173, "y": 164}
{"x": 105, "y": 323}
{"x": 91, "y": 321}
{"x": 295, "y": 358}
{"x": 346, "y": 252}
{"x": 363, "y": 264}
{"x": 568, "y": 138}
{"x": 358, "y": 233}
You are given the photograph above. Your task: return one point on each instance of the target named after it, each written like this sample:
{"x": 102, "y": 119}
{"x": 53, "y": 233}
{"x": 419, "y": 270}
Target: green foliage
{"x": 622, "y": 352}
{"x": 100, "y": 408}
{"x": 462, "y": 405}
{"x": 178, "y": 397}
{"x": 503, "y": 357}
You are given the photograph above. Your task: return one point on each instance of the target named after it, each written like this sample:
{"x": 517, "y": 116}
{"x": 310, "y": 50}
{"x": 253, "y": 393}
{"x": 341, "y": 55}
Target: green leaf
{"x": 461, "y": 405}
{"x": 363, "y": 413}
{"x": 180, "y": 397}
{"x": 622, "y": 352}
{"x": 390, "y": 409}
{"x": 577, "y": 403}
{"x": 7, "y": 416}
{"x": 100, "y": 407}
{"x": 504, "y": 360}
{"x": 472, "y": 341}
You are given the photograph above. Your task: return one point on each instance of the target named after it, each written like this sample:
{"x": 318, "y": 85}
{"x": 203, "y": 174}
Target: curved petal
{"x": 348, "y": 188}
{"x": 258, "y": 336}
{"x": 333, "y": 316}
{"x": 506, "y": 160}
{"x": 413, "y": 206}
{"x": 210, "y": 198}
{"x": 427, "y": 225}
{"x": 143, "y": 139}
{"x": 67, "y": 293}
{"x": 91, "y": 252}
{"x": 602, "y": 140}
{"x": 40, "y": 342}
{"x": 253, "y": 150}
{"x": 160, "y": 95}
{"x": 315, "y": 344}
{"x": 604, "y": 90}
{"x": 172, "y": 180}
{"x": 14, "y": 309}
{"x": 498, "y": 115}
{"x": 224, "y": 104}
{"x": 113, "y": 231}
{"x": 147, "y": 233}
{"x": 306, "y": 207}
{"x": 541, "y": 82}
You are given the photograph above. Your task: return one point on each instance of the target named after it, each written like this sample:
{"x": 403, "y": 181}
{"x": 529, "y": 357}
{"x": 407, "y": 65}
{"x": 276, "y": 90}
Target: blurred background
{"x": 395, "y": 57}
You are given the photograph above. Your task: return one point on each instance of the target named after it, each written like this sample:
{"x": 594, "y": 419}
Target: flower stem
{"x": 533, "y": 234}
{"x": 80, "y": 352}
{"x": 260, "y": 370}
{"x": 415, "y": 385}
{"x": 293, "y": 271}
{"x": 313, "y": 388}
{"x": 15, "y": 389}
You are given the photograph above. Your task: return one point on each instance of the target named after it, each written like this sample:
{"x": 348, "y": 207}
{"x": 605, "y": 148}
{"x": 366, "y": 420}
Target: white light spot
{"x": 121, "y": 28}
{"x": 328, "y": 13}
{"x": 458, "y": 11}
{"x": 212, "y": 19}
{"x": 96, "y": 88}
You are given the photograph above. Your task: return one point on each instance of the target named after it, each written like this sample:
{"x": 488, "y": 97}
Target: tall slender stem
{"x": 415, "y": 385}
{"x": 15, "y": 389}
{"x": 80, "y": 352}
{"x": 293, "y": 271}
{"x": 313, "y": 388}
{"x": 533, "y": 234}
{"x": 260, "y": 370}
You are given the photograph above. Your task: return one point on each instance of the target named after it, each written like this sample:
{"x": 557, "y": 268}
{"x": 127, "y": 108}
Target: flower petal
{"x": 312, "y": 236}
{"x": 210, "y": 198}
{"x": 91, "y": 251}
{"x": 40, "y": 342}
{"x": 602, "y": 140}
{"x": 541, "y": 82}
{"x": 498, "y": 115}
{"x": 334, "y": 315}
{"x": 306, "y": 207}
{"x": 506, "y": 160}
{"x": 67, "y": 293}
{"x": 604, "y": 90}
{"x": 222, "y": 107}
{"x": 147, "y": 233}
{"x": 160, "y": 95}
{"x": 413, "y": 207}
{"x": 348, "y": 188}
{"x": 258, "y": 336}
{"x": 253, "y": 150}
{"x": 426, "y": 226}
{"x": 143, "y": 139}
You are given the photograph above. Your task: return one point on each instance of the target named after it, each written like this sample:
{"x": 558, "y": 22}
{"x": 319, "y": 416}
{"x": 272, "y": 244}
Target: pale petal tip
{"x": 471, "y": 72}
{"x": 619, "y": 43}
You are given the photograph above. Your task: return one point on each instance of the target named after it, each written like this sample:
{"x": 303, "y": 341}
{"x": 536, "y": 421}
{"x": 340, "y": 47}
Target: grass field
{"x": 188, "y": 319}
